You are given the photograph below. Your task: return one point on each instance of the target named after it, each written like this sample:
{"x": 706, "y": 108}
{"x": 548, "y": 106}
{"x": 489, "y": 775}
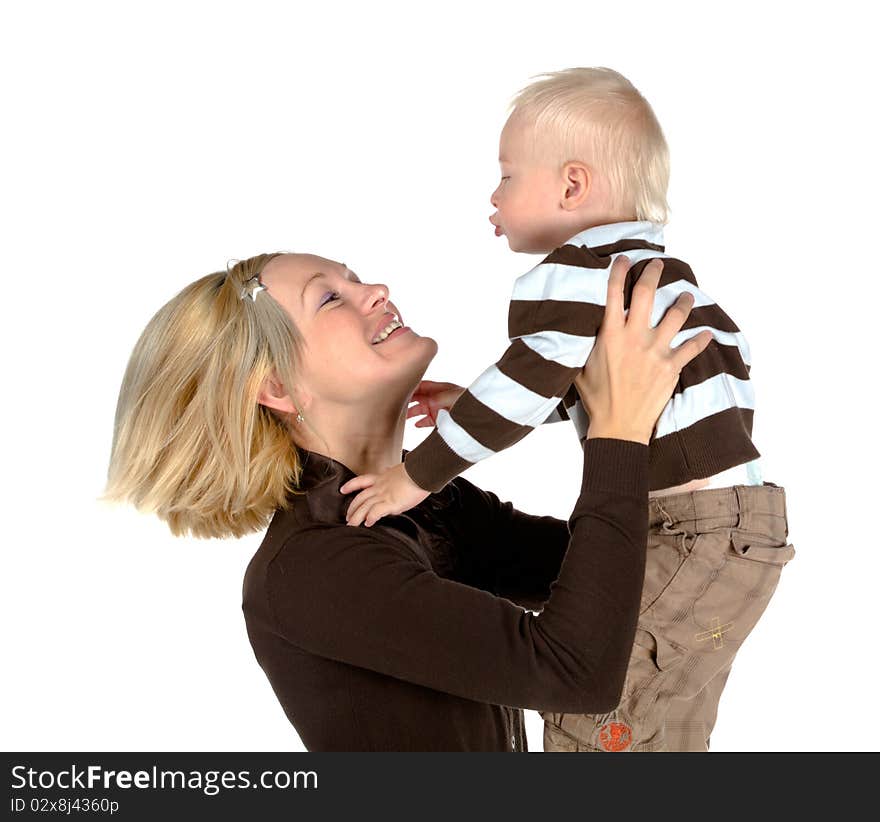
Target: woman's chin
{"x": 420, "y": 352}
{"x": 403, "y": 362}
{"x": 414, "y": 346}
{"x": 424, "y": 350}
{"x": 431, "y": 344}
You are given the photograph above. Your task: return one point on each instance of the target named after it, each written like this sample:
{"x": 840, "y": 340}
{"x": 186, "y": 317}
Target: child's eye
{"x": 329, "y": 297}
{"x": 505, "y": 178}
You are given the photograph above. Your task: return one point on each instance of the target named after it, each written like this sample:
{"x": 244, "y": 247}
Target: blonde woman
{"x": 256, "y": 393}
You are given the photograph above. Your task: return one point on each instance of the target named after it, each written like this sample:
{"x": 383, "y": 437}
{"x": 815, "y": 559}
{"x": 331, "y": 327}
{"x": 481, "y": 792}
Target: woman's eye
{"x": 329, "y": 297}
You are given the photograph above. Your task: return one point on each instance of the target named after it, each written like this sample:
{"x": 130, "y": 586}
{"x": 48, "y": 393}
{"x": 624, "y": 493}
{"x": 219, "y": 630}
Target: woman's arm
{"x": 359, "y": 596}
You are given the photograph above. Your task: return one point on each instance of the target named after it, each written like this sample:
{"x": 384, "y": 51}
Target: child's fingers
{"x": 431, "y": 387}
{"x": 354, "y": 508}
{"x": 357, "y": 518}
{"x": 357, "y": 483}
{"x": 369, "y": 513}
{"x": 376, "y": 513}
{"x": 416, "y": 410}
{"x": 425, "y": 422}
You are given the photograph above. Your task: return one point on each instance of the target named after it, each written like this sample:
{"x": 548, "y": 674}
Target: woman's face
{"x": 341, "y": 320}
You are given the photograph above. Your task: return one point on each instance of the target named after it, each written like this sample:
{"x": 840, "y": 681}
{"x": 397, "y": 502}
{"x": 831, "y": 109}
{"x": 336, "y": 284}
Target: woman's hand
{"x": 632, "y": 371}
{"x": 430, "y": 397}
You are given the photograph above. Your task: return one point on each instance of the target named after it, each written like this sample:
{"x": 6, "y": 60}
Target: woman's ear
{"x": 274, "y": 395}
{"x": 578, "y": 181}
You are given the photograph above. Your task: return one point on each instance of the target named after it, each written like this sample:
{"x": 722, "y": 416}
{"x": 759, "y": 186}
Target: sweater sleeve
{"x": 506, "y": 551}
{"x": 359, "y": 596}
{"x": 550, "y": 341}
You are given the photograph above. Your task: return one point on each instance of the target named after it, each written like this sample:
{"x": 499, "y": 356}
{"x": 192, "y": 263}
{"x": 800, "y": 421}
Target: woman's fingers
{"x": 614, "y": 299}
{"x": 642, "y": 303}
{"x": 674, "y": 318}
{"x": 682, "y": 355}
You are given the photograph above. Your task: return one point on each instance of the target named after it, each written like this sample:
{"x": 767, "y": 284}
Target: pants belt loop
{"x": 741, "y": 507}
{"x": 662, "y": 510}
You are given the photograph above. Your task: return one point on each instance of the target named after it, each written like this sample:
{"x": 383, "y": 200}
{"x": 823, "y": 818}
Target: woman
{"x": 256, "y": 393}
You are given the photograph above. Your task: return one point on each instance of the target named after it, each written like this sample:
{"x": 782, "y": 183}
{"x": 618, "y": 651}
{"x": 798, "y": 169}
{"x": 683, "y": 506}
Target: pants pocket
{"x": 758, "y": 548}
{"x": 632, "y": 725}
{"x": 730, "y": 607}
{"x": 668, "y": 556}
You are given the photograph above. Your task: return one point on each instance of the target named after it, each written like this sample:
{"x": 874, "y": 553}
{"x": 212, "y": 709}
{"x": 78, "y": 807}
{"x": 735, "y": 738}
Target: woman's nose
{"x": 377, "y": 296}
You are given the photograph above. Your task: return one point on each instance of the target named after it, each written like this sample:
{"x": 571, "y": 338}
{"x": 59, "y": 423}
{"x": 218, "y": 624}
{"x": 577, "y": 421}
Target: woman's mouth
{"x": 393, "y": 329}
{"x": 401, "y": 329}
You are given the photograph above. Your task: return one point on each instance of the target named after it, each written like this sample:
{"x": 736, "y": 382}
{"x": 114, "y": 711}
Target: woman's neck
{"x": 367, "y": 443}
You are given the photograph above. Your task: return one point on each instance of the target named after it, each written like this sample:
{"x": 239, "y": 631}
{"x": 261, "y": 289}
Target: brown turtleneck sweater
{"x": 413, "y": 635}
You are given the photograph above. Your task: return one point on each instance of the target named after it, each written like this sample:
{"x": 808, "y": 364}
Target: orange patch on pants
{"x": 615, "y": 736}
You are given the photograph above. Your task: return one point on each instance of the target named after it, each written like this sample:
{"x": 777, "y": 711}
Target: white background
{"x": 144, "y": 147}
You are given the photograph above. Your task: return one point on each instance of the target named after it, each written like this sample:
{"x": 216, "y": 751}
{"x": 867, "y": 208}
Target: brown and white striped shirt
{"x": 554, "y": 316}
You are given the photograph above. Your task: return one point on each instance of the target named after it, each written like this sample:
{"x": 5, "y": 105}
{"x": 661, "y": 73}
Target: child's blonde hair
{"x": 597, "y": 115}
{"x": 190, "y": 442}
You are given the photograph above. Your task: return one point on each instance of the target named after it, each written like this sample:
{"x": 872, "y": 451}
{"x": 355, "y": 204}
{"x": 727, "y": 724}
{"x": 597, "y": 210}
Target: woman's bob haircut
{"x": 190, "y": 441}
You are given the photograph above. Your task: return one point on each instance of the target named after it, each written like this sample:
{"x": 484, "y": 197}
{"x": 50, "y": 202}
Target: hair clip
{"x": 251, "y": 287}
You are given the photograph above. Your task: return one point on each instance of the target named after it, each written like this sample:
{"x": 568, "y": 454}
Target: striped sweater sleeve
{"x": 550, "y": 339}
{"x": 555, "y": 314}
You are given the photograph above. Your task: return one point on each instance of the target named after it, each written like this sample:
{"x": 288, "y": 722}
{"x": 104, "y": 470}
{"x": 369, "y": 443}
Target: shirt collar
{"x": 320, "y": 480}
{"x": 601, "y": 235}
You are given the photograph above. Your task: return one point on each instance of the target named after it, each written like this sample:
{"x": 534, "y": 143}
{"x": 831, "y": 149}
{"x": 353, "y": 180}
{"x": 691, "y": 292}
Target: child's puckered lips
{"x": 498, "y": 231}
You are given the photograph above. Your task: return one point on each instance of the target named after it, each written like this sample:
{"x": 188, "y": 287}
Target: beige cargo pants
{"x": 714, "y": 560}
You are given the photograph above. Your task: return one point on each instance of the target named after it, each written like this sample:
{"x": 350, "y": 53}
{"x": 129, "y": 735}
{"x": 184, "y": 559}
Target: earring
{"x": 299, "y": 416}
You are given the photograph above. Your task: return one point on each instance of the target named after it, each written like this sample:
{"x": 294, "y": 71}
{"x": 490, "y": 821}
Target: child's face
{"x": 527, "y": 199}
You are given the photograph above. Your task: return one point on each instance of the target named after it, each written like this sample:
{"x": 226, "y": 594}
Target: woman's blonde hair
{"x": 190, "y": 441}
{"x": 596, "y": 114}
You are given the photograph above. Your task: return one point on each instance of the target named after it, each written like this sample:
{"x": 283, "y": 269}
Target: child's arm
{"x": 392, "y": 491}
{"x": 396, "y": 490}
{"x": 554, "y": 317}
{"x": 552, "y": 336}
{"x": 496, "y": 410}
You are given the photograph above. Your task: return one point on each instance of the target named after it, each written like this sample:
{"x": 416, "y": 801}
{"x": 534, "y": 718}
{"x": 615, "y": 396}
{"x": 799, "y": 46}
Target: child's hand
{"x": 391, "y": 492}
{"x": 430, "y": 397}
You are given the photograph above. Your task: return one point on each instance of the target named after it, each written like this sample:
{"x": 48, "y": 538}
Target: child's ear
{"x": 578, "y": 181}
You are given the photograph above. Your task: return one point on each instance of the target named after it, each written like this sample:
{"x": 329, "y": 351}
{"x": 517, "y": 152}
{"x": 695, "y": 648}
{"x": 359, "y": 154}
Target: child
{"x": 585, "y": 168}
